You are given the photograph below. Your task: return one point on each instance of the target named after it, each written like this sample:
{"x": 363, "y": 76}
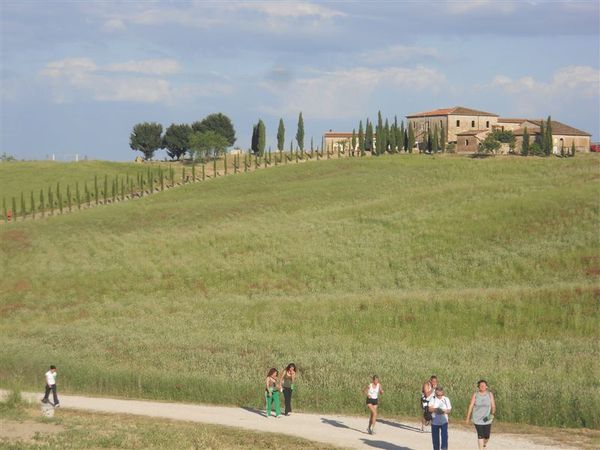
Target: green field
{"x": 400, "y": 265}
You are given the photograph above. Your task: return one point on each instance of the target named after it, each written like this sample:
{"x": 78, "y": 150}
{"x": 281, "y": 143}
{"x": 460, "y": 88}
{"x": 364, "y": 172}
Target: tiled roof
{"x": 337, "y": 134}
{"x": 457, "y": 110}
{"x": 509, "y": 120}
{"x": 561, "y": 128}
{"x": 472, "y": 132}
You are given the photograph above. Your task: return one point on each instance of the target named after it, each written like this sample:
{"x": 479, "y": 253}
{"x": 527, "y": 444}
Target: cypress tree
{"x": 87, "y": 195}
{"x": 429, "y": 140}
{"x": 402, "y": 137}
{"x": 300, "y": 132}
{"x": 369, "y": 137}
{"x": 379, "y": 144}
{"x": 442, "y": 138}
{"x": 59, "y": 198}
{"x": 525, "y": 143}
{"x": 32, "y": 205}
{"x": 411, "y": 137}
{"x": 386, "y": 136}
{"x": 69, "y": 203}
{"x": 14, "y": 209}
{"x": 42, "y": 203}
{"x": 549, "y": 139}
{"x": 262, "y": 137}
{"x": 436, "y": 140}
{"x": 96, "y": 188}
{"x": 361, "y": 139}
{"x": 393, "y": 137}
{"x": 543, "y": 137}
{"x": 50, "y": 201}
{"x": 77, "y": 195}
{"x": 312, "y": 146}
{"x": 573, "y": 148}
{"x": 105, "y": 194}
{"x": 23, "y": 207}
{"x": 254, "y": 141}
{"x": 353, "y": 141}
{"x": 281, "y": 136}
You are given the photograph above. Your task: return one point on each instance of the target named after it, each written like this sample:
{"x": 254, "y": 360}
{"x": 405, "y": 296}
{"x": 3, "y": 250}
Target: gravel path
{"x": 343, "y": 431}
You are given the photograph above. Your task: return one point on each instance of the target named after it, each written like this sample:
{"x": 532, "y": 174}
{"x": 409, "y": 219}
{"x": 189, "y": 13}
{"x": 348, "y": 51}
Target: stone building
{"x": 454, "y": 120}
{"x": 332, "y": 140}
{"x": 466, "y": 128}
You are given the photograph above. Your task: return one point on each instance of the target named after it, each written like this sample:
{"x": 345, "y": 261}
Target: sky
{"x": 76, "y": 77}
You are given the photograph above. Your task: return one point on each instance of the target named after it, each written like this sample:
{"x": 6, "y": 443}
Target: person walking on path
{"x": 51, "y": 386}
{"x": 439, "y": 407}
{"x": 427, "y": 393}
{"x": 287, "y": 381}
{"x": 483, "y": 408}
{"x": 272, "y": 388}
{"x": 372, "y": 391}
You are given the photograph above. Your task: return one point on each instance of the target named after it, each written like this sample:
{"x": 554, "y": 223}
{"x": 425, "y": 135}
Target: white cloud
{"x": 398, "y": 54}
{"x": 578, "y": 81}
{"x": 288, "y": 9}
{"x": 570, "y": 87}
{"x": 347, "y": 93}
{"x": 463, "y": 7}
{"x": 112, "y": 82}
{"x": 147, "y": 66}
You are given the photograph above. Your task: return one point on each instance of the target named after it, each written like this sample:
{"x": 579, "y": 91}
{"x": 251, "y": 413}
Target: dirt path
{"x": 344, "y": 431}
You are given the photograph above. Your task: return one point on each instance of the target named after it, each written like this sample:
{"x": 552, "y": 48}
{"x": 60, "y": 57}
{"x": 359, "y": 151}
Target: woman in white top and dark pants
{"x": 439, "y": 407}
{"x": 372, "y": 391}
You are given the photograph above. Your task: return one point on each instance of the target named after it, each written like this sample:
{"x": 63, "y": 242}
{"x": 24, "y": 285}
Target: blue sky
{"x": 76, "y": 76}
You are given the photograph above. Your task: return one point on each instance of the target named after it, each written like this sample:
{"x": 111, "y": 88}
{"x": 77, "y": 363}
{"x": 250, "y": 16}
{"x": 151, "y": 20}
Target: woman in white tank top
{"x": 373, "y": 391}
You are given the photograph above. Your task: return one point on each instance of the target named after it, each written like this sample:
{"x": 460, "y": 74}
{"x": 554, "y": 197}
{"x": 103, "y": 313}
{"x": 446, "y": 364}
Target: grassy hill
{"x": 401, "y": 265}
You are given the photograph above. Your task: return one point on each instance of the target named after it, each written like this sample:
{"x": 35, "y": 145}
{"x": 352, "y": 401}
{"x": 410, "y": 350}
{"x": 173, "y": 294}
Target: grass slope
{"x": 400, "y": 265}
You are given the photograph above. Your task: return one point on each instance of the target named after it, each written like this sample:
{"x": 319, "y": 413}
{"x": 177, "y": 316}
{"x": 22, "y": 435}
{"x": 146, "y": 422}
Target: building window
{"x": 466, "y": 142}
{"x": 458, "y": 123}
{"x": 472, "y": 124}
{"x": 487, "y": 124}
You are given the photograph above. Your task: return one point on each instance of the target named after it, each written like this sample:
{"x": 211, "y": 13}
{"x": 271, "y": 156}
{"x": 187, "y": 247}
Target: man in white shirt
{"x": 439, "y": 407}
{"x": 51, "y": 386}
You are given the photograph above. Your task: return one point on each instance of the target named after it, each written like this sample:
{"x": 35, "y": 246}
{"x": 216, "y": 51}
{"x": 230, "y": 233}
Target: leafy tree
{"x": 489, "y": 145}
{"x": 206, "y": 144}
{"x": 300, "y": 132}
{"x": 536, "y": 149}
{"x": 525, "y": 143}
{"x": 220, "y": 124}
{"x": 281, "y": 136}
{"x": 361, "y": 138}
{"x": 177, "y": 140}
{"x": 262, "y": 137}
{"x": 145, "y": 138}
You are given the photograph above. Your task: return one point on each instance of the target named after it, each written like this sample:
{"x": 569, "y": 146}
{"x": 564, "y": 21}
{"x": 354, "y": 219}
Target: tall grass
{"x": 403, "y": 266}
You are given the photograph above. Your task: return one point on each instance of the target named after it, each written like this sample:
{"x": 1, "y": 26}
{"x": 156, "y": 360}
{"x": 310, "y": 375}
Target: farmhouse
{"x": 465, "y": 128}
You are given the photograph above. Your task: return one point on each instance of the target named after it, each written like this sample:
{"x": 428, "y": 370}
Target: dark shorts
{"x": 372, "y": 401}
{"x": 483, "y": 431}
